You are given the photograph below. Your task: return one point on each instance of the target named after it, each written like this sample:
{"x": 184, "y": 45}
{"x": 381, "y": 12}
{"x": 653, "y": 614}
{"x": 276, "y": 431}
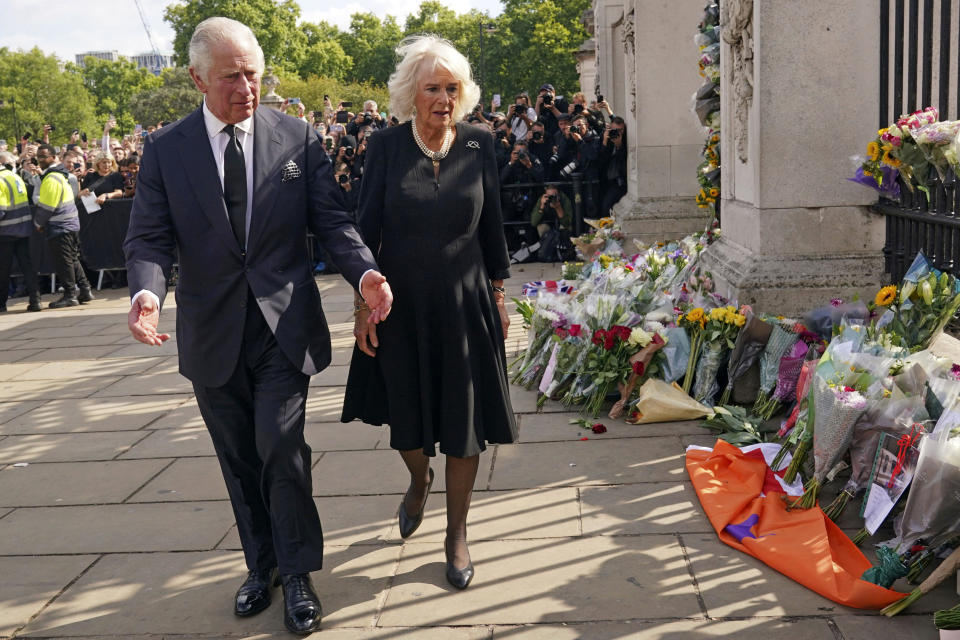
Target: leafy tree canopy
{"x": 176, "y": 97}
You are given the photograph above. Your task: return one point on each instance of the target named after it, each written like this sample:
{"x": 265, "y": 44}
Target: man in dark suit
{"x": 230, "y": 192}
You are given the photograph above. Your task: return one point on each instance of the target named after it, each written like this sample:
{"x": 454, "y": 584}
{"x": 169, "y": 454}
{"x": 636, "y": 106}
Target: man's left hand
{"x": 378, "y": 296}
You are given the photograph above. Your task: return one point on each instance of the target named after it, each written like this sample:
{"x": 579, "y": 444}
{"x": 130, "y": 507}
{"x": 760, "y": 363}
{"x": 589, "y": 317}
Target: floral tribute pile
{"x": 706, "y": 105}
{"x": 849, "y": 396}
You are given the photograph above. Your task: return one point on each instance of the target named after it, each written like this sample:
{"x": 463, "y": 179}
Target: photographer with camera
{"x": 613, "y": 164}
{"x": 552, "y": 217}
{"x": 521, "y": 116}
{"x": 369, "y": 117}
{"x": 522, "y": 168}
{"x": 539, "y": 144}
{"x": 503, "y": 144}
{"x": 550, "y": 108}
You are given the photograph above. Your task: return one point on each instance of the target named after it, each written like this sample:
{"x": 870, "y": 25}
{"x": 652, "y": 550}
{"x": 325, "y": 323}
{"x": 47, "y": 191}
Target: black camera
{"x": 552, "y": 198}
{"x": 537, "y": 136}
{"x": 34, "y": 162}
{"x": 501, "y": 134}
{"x": 348, "y": 152}
{"x": 83, "y": 136}
{"x": 577, "y": 109}
{"x": 344, "y": 178}
{"x": 575, "y": 129}
{"x": 599, "y": 97}
{"x": 548, "y": 98}
{"x": 367, "y": 118}
{"x": 613, "y": 134}
{"x": 521, "y": 155}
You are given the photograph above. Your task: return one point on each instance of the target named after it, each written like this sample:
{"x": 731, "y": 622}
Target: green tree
{"x": 33, "y": 85}
{"x": 324, "y": 55}
{"x": 311, "y": 92}
{"x": 535, "y": 43}
{"x": 274, "y": 22}
{"x": 371, "y": 44}
{"x": 176, "y": 97}
{"x": 112, "y": 85}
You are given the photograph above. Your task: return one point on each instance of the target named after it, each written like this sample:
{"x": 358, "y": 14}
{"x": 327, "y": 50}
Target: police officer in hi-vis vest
{"x": 57, "y": 215}
{"x": 15, "y": 229}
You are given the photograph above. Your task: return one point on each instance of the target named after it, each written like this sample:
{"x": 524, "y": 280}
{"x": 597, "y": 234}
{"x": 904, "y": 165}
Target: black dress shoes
{"x": 253, "y": 596}
{"x": 407, "y": 524}
{"x": 301, "y": 606}
{"x": 460, "y": 578}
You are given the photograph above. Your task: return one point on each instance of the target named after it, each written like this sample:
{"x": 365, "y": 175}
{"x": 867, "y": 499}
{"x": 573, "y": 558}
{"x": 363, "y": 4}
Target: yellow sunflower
{"x": 885, "y": 296}
{"x": 890, "y": 160}
{"x": 873, "y": 151}
{"x": 714, "y": 192}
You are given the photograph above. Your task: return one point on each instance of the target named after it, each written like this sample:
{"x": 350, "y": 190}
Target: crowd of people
{"x": 540, "y": 145}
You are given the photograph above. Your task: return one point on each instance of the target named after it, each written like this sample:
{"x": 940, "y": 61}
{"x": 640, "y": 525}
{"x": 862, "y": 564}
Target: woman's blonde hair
{"x": 424, "y": 54}
{"x": 105, "y": 156}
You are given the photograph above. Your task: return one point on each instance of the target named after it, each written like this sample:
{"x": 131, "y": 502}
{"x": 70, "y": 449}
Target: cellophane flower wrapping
{"x": 789, "y": 371}
{"x": 932, "y": 509}
{"x": 712, "y": 357}
{"x": 750, "y": 343}
{"x": 782, "y": 338}
{"x": 926, "y": 300}
{"x": 836, "y": 413}
{"x": 888, "y": 186}
{"x": 938, "y": 141}
{"x": 675, "y": 354}
{"x": 549, "y": 313}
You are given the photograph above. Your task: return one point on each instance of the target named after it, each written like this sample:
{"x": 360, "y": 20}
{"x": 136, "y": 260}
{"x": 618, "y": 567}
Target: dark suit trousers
{"x": 19, "y": 247}
{"x": 256, "y": 422}
{"x": 65, "y": 255}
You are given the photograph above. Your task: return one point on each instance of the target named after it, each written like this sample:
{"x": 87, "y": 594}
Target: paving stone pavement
{"x": 118, "y": 526}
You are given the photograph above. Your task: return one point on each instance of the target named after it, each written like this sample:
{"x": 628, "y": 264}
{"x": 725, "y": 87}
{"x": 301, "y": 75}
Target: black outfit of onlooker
{"x": 522, "y": 168}
{"x": 100, "y": 183}
{"x": 549, "y": 108}
{"x": 613, "y": 164}
{"x": 540, "y": 145}
{"x": 503, "y": 144}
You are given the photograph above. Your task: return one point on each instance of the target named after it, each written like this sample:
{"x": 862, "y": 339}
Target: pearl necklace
{"x": 436, "y": 156}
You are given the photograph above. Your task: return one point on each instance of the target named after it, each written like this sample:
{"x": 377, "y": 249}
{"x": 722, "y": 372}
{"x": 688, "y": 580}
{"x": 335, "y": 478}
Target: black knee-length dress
{"x": 439, "y": 375}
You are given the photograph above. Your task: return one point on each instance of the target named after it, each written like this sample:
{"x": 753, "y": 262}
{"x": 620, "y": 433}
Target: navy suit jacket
{"x": 179, "y": 214}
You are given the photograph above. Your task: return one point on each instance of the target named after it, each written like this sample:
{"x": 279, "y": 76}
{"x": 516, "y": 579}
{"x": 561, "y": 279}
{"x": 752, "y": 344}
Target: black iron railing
{"x": 915, "y": 72}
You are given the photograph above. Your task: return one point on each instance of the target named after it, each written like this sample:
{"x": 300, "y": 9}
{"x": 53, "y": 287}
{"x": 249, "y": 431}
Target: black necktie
{"x": 235, "y": 185}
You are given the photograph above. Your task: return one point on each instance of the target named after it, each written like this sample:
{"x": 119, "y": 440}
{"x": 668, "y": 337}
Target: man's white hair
{"x": 420, "y": 55}
{"x": 213, "y": 31}
{"x": 7, "y": 158}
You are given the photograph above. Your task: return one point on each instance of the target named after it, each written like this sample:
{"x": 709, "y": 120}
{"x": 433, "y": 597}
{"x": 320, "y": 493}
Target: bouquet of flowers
{"x": 718, "y": 339}
{"x": 567, "y": 358}
{"x": 783, "y": 336}
{"x": 748, "y": 346}
{"x": 938, "y": 142}
{"x": 548, "y": 315}
{"x": 788, "y": 373}
{"x": 693, "y": 321}
{"x": 904, "y": 154}
{"x": 604, "y": 231}
{"x": 639, "y": 362}
{"x": 925, "y": 301}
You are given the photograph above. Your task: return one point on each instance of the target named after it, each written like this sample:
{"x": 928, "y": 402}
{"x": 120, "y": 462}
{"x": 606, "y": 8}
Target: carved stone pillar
{"x": 797, "y": 103}
{"x": 664, "y": 136}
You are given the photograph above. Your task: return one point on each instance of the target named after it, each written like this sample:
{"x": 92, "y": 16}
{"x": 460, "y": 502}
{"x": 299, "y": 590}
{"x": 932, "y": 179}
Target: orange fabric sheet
{"x": 803, "y": 544}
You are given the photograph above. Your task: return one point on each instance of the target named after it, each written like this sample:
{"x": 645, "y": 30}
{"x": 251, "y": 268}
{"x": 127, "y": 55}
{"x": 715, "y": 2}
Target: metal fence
{"x": 919, "y": 66}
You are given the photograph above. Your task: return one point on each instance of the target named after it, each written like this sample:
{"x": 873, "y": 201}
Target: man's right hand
{"x": 142, "y": 320}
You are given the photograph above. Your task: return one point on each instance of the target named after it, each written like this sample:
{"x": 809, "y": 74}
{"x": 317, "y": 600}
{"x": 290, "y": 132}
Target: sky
{"x": 68, "y": 28}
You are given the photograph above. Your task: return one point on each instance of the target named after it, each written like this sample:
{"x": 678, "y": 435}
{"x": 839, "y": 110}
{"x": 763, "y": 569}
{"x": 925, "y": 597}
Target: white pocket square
{"x": 290, "y": 171}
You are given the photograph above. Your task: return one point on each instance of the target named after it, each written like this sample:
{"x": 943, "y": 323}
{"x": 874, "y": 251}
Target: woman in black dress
{"x": 435, "y": 369}
{"x": 105, "y": 180}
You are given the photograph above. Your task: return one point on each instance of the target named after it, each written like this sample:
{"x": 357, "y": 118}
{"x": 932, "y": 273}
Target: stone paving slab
{"x": 28, "y": 341}
{"x": 551, "y": 580}
{"x": 526, "y": 402}
{"x": 186, "y": 480}
{"x": 80, "y": 369}
{"x": 325, "y": 404}
{"x": 337, "y": 436}
{"x": 147, "y": 384}
{"x": 556, "y": 427}
{"x": 128, "y": 413}
{"x": 758, "y": 629}
{"x": 55, "y": 389}
{"x": 17, "y": 355}
{"x": 348, "y": 520}
{"x": 11, "y": 410}
{"x": 71, "y": 354}
{"x": 168, "y": 593}
{"x": 17, "y": 371}
{"x": 178, "y": 526}
{"x": 654, "y": 507}
{"x": 127, "y": 348}
{"x": 74, "y": 482}
{"x": 29, "y": 583}
{"x": 902, "y": 627}
{"x": 339, "y": 473}
{"x": 67, "y": 447}
{"x": 506, "y": 515}
{"x": 173, "y": 443}
{"x": 595, "y": 461}
{"x": 185, "y": 416}
{"x": 333, "y": 376}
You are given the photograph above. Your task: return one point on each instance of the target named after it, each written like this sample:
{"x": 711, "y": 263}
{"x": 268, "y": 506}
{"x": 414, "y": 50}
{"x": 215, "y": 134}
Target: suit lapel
{"x": 267, "y": 147}
{"x": 201, "y": 169}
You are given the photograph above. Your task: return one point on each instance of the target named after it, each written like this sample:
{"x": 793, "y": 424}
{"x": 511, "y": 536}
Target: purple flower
{"x": 835, "y": 302}
{"x": 955, "y": 371}
{"x": 560, "y": 322}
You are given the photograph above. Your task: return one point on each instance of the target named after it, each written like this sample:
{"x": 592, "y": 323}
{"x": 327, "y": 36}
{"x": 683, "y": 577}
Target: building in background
{"x": 153, "y": 62}
{"x": 112, "y": 56}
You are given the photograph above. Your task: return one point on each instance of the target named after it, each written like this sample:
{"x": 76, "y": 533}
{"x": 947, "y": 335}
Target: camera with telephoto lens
{"x": 348, "y": 152}
{"x": 538, "y": 136}
{"x": 577, "y": 109}
{"x": 367, "y": 118}
{"x": 568, "y": 170}
{"x": 575, "y": 129}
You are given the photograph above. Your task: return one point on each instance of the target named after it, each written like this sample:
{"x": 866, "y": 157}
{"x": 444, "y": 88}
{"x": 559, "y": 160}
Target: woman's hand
{"x": 365, "y": 332}
{"x": 101, "y": 198}
{"x": 84, "y": 192}
{"x": 504, "y": 316}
